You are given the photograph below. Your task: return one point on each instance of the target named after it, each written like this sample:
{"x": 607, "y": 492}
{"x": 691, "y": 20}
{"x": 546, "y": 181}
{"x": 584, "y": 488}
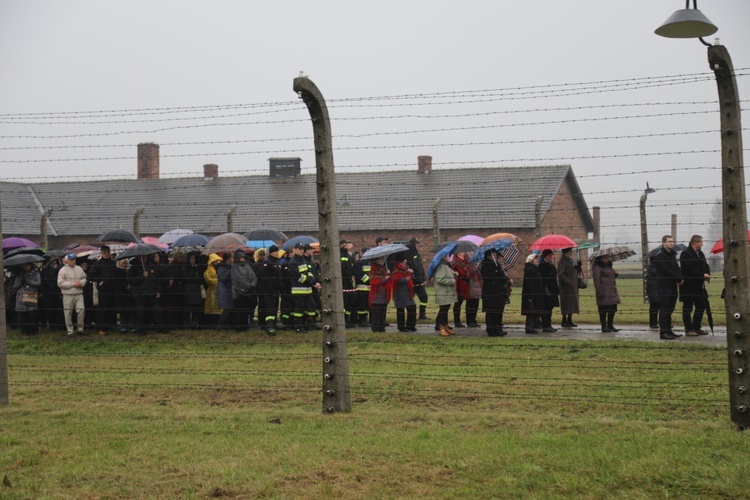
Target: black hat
{"x": 414, "y": 240}
{"x": 343, "y": 241}
{"x": 546, "y": 252}
{"x": 307, "y": 247}
{"x": 299, "y": 245}
{"x": 104, "y": 248}
{"x": 273, "y": 248}
{"x": 380, "y": 238}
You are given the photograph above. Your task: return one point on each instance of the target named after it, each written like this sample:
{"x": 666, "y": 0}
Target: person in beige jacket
{"x": 71, "y": 279}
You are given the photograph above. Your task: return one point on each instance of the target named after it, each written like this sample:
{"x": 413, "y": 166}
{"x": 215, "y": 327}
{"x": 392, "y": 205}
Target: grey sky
{"x": 81, "y": 56}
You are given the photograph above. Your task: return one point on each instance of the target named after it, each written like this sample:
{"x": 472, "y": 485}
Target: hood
{"x": 213, "y": 258}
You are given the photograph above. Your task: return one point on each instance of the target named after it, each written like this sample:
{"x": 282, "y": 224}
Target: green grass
{"x": 213, "y": 414}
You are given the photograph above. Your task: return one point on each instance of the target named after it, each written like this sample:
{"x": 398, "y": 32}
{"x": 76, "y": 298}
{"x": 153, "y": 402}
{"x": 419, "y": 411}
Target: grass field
{"x": 209, "y": 414}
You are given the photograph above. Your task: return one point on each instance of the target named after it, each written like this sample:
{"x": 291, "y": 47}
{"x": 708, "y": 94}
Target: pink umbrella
{"x": 150, "y": 240}
{"x": 553, "y": 242}
{"x": 719, "y": 245}
{"x": 477, "y": 240}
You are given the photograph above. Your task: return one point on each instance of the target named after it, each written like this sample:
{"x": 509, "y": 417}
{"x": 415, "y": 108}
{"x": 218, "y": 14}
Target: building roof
{"x": 502, "y": 198}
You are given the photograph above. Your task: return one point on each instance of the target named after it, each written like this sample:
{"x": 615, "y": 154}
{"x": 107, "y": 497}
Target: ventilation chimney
{"x": 210, "y": 171}
{"x": 424, "y": 164}
{"x": 148, "y": 161}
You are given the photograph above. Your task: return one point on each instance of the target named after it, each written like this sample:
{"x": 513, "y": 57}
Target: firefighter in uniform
{"x": 347, "y": 283}
{"x": 361, "y": 308}
{"x": 302, "y": 283}
{"x": 269, "y": 288}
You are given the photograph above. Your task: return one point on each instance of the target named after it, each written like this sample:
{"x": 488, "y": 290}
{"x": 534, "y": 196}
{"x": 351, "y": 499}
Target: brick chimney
{"x": 148, "y": 161}
{"x": 210, "y": 171}
{"x": 424, "y": 164}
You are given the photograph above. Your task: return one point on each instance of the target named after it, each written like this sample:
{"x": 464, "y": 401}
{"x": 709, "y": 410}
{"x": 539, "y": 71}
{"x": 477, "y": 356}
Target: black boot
{"x": 603, "y": 320}
{"x": 610, "y": 322}
{"x": 422, "y": 312}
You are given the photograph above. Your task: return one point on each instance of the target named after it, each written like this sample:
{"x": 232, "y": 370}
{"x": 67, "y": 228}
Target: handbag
{"x": 29, "y": 298}
{"x": 582, "y": 283}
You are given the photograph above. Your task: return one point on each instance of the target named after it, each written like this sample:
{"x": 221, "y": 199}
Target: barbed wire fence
{"x": 506, "y": 373}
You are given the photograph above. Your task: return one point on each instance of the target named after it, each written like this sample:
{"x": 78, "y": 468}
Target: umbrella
{"x": 83, "y": 251}
{"x": 121, "y": 236}
{"x": 22, "y": 250}
{"x": 259, "y": 243}
{"x": 305, "y": 240}
{"x": 718, "y": 246}
{"x": 462, "y": 246}
{"x": 493, "y": 245}
{"x": 477, "y": 240}
{"x": 499, "y": 236}
{"x": 227, "y": 242}
{"x": 266, "y": 233}
{"x": 152, "y": 241}
{"x": 22, "y": 258}
{"x": 15, "y": 242}
{"x": 553, "y": 242}
{"x": 171, "y": 236}
{"x": 191, "y": 240}
{"x": 511, "y": 254}
{"x": 114, "y": 248}
{"x": 709, "y": 314}
{"x": 383, "y": 251}
{"x": 679, "y": 247}
{"x": 615, "y": 253}
{"x": 446, "y": 250}
{"x": 54, "y": 253}
{"x": 138, "y": 250}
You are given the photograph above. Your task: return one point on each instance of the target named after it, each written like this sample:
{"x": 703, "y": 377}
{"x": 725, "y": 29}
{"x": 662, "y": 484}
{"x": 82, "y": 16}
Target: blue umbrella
{"x": 446, "y": 250}
{"x": 305, "y": 240}
{"x": 191, "y": 240}
{"x": 259, "y": 243}
{"x": 495, "y": 245}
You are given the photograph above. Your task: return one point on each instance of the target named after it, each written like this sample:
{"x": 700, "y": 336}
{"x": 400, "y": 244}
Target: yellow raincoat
{"x": 211, "y": 305}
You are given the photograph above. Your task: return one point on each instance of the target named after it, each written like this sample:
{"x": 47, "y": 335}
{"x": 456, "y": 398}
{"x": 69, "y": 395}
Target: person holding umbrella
{"x": 27, "y": 281}
{"x": 548, "y": 272}
{"x": 145, "y": 285}
{"x": 532, "y": 293}
{"x": 379, "y": 293}
{"x": 607, "y": 298}
{"x": 495, "y": 283}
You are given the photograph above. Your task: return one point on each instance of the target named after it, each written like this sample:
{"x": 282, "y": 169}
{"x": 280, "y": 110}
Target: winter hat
{"x": 273, "y": 248}
{"x": 531, "y": 258}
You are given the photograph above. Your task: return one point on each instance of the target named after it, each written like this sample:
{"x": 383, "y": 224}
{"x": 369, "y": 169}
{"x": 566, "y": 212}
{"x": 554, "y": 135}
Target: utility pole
{"x": 3, "y": 332}
{"x": 137, "y": 221}
{"x": 736, "y": 252}
{"x": 538, "y": 216}
{"x": 435, "y": 220}
{"x": 336, "y": 391}
{"x": 230, "y": 218}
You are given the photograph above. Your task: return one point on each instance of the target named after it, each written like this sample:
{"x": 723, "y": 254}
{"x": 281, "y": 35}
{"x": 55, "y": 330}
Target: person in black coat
{"x": 104, "y": 274}
{"x": 532, "y": 293}
{"x": 145, "y": 280}
{"x": 668, "y": 278}
{"x": 191, "y": 277}
{"x": 548, "y": 272}
{"x": 695, "y": 273}
{"x": 420, "y": 276}
{"x": 495, "y": 283}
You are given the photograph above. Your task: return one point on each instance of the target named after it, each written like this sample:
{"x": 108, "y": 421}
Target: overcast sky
{"x": 478, "y": 83}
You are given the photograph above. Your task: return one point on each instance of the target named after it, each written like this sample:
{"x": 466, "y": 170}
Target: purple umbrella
{"x": 15, "y": 242}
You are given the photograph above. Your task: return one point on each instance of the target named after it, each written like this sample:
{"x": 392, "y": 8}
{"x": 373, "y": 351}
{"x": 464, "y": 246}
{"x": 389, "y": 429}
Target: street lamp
{"x": 644, "y": 238}
{"x": 736, "y": 253}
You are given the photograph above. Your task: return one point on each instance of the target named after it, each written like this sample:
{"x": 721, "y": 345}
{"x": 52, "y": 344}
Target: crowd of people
{"x": 282, "y": 289}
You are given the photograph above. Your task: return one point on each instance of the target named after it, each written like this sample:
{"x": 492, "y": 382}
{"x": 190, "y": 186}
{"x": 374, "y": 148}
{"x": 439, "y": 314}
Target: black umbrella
{"x": 23, "y": 250}
{"x": 55, "y": 253}
{"x": 709, "y": 314}
{"x": 266, "y": 233}
{"x": 462, "y": 246}
{"x": 22, "y": 258}
{"x": 678, "y": 247}
{"x": 121, "y": 236}
{"x": 138, "y": 250}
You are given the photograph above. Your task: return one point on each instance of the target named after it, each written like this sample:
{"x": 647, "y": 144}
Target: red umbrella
{"x": 553, "y": 242}
{"x": 719, "y": 245}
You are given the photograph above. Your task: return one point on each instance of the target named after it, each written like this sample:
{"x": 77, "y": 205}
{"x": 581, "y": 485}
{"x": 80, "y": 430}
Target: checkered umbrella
{"x": 615, "y": 253}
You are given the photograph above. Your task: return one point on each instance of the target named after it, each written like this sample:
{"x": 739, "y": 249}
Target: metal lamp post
{"x": 644, "y": 239}
{"x": 690, "y": 23}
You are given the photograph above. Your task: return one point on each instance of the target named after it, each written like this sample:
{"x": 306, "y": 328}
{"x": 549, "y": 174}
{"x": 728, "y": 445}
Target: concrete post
{"x": 43, "y": 227}
{"x": 596, "y": 215}
{"x": 230, "y": 218}
{"x": 674, "y": 228}
{"x": 3, "y": 332}
{"x": 435, "y": 220}
{"x": 538, "y": 216}
{"x": 736, "y": 252}
{"x": 137, "y": 221}
{"x": 644, "y": 246}
{"x": 336, "y": 391}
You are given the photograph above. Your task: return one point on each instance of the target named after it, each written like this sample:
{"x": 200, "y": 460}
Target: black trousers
{"x": 377, "y": 317}
{"x": 442, "y": 315}
{"x": 147, "y": 305}
{"x": 244, "y": 305}
{"x": 421, "y": 292}
{"x": 406, "y": 317}
{"x": 692, "y": 320}
{"x": 267, "y": 308}
{"x": 667, "y": 302}
{"x": 106, "y": 314}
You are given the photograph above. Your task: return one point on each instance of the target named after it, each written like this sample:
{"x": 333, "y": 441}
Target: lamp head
{"x": 649, "y": 189}
{"x": 686, "y": 23}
